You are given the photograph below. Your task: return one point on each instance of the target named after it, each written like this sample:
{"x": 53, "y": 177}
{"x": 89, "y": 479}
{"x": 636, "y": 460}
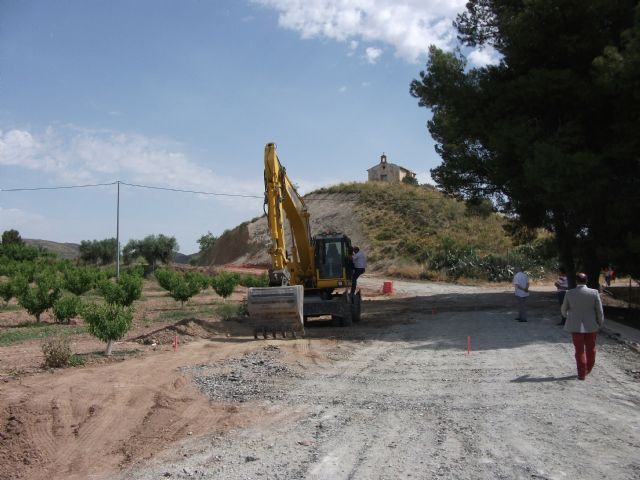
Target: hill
{"x": 70, "y": 251}
{"x": 409, "y": 231}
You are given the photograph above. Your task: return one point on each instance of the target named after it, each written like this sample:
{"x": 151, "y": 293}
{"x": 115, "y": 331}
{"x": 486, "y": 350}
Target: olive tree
{"x": 11, "y": 237}
{"x": 152, "y": 248}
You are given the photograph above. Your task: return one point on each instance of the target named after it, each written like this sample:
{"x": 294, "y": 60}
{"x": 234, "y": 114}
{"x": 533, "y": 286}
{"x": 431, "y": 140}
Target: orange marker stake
{"x": 468, "y": 344}
{"x": 175, "y": 343}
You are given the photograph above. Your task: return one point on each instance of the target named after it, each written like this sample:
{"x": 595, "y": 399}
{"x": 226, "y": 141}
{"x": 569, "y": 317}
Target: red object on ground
{"x": 175, "y": 342}
{"x": 387, "y": 287}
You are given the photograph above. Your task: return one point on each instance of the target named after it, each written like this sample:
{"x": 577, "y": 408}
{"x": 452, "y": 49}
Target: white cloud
{"x": 483, "y": 56}
{"x": 77, "y": 155}
{"x": 18, "y": 219}
{"x": 372, "y": 54}
{"x": 410, "y": 26}
{"x": 342, "y": 89}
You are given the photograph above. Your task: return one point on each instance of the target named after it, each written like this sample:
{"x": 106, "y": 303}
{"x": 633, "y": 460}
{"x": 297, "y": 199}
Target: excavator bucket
{"x": 276, "y": 310}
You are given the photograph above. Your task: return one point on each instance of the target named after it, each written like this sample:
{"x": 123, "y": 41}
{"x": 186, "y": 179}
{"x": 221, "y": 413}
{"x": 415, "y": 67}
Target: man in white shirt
{"x": 521, "y": 285}
{"x": 359, "y": 264}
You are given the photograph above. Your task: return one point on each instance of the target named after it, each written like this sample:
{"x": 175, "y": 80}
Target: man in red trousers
{"x": 583, "y": 309}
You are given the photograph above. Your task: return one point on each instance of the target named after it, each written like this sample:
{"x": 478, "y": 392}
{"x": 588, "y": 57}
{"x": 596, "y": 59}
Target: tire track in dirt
{"x": 84, "y": 422}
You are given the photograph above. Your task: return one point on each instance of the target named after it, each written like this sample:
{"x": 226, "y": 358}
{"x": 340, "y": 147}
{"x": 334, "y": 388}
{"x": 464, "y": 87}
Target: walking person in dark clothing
{"x": 359, "y": 264}
{"x": 562, "y": 285}
{"x": 583, "y": 308}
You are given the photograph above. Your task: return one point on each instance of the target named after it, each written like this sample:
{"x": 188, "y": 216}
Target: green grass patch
{"x": 34, "y": 331}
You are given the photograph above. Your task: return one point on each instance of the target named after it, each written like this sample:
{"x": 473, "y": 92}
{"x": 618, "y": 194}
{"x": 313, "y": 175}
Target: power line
{"x": 31, "y": 189}
{"x": 191, "y": 191}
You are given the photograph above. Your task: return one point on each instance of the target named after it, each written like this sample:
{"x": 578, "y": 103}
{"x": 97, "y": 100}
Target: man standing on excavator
{"x": 359, "y": 264}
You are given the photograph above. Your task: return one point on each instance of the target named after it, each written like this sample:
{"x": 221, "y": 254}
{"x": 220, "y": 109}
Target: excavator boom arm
{"x": 282, "y": 200}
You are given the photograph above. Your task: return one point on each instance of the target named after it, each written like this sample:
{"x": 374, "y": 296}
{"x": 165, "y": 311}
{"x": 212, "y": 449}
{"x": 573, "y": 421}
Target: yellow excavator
{"x": 304, "y": 278}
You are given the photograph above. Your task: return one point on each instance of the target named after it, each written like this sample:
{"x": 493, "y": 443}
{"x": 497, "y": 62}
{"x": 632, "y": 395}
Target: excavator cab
{"x": 331, "y": 253}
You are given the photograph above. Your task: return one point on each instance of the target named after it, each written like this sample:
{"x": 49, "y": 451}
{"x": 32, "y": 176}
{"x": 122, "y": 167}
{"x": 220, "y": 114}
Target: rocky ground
{"x": 401, "y": 396}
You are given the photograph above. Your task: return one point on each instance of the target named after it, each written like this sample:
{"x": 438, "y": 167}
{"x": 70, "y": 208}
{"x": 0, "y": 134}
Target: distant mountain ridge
{"x": 69, "y": 251}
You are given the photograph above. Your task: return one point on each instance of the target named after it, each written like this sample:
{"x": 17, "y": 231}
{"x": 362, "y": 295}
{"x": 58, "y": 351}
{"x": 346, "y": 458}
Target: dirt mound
{"x": 187, "y": 329}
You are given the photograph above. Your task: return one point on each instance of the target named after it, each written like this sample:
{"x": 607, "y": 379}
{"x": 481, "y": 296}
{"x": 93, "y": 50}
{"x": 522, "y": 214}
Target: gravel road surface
{"x": 399, "y": 396}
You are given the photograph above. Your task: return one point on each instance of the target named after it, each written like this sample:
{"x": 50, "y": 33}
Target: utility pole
{"x": 118, "y": 234}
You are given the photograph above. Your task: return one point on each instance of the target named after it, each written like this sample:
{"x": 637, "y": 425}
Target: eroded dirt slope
{"x": 248, "y": 243}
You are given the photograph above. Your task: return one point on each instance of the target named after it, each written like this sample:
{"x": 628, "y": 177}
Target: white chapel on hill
{"x": 388, "y": 172}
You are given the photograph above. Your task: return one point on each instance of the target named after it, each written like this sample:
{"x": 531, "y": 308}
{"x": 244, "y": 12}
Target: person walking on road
{"x": 562, "y": 285}
{"x": 608, "y": 274}
{"x": 359, "y": 265}
{"x": 521, "y": 285}
{"x": 583, "y": 308}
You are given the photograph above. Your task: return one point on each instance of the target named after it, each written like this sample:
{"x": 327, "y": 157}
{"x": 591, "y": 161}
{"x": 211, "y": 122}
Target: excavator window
{"x": 330, "y": 258}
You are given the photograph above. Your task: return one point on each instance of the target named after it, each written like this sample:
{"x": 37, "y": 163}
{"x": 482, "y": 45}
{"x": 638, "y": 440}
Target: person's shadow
{"x": 528, "y": 378}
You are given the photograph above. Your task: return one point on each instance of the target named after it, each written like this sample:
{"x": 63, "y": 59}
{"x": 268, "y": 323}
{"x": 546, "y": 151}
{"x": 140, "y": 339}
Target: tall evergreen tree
{"x": 550, "y": 133}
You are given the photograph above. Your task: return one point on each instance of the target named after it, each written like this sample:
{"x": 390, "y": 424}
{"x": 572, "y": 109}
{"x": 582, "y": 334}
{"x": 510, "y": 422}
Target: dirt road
{"x": 398, "y": 396}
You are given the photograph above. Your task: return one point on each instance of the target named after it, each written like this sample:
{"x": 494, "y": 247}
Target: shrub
{"x": 184, "y": 289}
{"x": 57, "y": 353}
{"x": 125, "y": 292}
{"x": 6, "y": 291}
{"x": 166, "y": 278}
{"x": 249, "y": 280}
{"x": 108, "y": 322}
{"x": 66, "y": 308}
{"x": 181, "y": 287}
{"x": 224, "y": 283}
{"x": 228, "y": 311}
{"x": 39, "y": 298}
{"x": 79, "y": 280}
{"x": 197, "y": 278}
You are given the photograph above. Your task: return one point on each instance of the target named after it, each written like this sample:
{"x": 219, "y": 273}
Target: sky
{"x": 185, "y": 94}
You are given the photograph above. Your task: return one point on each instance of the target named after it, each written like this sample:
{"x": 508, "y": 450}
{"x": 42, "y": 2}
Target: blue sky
{"x": 185, "y": 94}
